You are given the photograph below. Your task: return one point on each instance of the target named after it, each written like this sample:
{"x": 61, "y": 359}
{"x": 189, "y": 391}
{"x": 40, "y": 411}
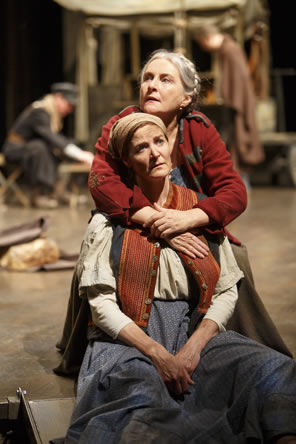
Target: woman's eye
{"x": 140, "y": 148}
{"x": 147, "y": 77}
{"x": 160, "y": 141}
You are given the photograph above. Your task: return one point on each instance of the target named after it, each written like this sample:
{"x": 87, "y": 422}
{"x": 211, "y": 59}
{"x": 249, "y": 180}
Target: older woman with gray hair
{"x": 169, "y": 89}
{"x": 159, "y": 366}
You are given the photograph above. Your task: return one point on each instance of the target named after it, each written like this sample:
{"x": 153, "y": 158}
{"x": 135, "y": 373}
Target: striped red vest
{"x": 139, "y": 260}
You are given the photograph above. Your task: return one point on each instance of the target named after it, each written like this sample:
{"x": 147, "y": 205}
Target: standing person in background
{"x": 35, "y": 142}
{"x": 233, "y": 87}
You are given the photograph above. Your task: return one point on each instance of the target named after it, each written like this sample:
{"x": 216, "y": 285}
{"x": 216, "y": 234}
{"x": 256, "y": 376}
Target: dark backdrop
{"x": 283, "y": 54}
{"x": 31, "y": 54}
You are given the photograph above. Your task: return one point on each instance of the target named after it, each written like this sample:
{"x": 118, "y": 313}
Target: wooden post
{"x": 81, "y": 112}
{"x": 180, "y": 31}
{"x": 135, "y": 47}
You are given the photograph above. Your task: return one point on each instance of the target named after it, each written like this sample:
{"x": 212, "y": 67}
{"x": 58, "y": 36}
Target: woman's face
{"x": 149, "y": 154}
{"x": 162, "y": 91}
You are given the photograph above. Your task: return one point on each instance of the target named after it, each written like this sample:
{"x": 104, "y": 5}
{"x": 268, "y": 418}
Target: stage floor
{"x": 33, "y": 305}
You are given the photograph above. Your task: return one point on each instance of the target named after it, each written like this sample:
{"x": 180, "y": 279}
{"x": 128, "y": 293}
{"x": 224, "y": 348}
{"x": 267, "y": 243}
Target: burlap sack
{"x": 30, "y": 255}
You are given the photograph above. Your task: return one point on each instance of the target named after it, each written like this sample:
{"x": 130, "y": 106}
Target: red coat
{"x": 206, "y": 158}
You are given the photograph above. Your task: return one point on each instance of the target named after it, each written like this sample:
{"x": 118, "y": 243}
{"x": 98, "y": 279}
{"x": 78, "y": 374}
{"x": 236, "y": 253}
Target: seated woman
{"x": 170, "y": 89}
{"x": 159, "y": 365}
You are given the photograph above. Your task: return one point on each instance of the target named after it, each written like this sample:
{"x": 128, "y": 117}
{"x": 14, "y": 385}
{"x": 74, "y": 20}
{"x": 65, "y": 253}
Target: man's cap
{"x": 68, "y": 90}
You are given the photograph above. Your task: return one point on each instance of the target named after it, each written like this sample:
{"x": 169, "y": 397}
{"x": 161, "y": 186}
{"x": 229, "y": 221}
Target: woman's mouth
{"x": 151, "y": 99}
{"x": 156, "y": 165}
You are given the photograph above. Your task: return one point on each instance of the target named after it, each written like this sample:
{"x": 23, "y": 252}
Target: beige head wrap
{"x": 123, "y": 130}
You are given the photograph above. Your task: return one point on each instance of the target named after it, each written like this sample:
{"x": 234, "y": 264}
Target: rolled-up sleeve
{"x": 97, "y": 280}
{"x": 105, "y": 311}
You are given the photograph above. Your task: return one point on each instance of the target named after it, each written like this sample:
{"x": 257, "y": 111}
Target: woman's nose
{"x": 152, "y": 84}
{"x": 155, "y": 152}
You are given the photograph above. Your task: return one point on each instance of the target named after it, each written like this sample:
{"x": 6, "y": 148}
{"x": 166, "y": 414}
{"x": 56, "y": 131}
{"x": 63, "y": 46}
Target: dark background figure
{"x": 35, "y": 142}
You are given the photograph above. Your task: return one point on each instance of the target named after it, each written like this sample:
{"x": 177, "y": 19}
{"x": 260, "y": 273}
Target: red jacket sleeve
{"x": 110, "y": 193}
{"x": 224, "y": 186}
{"x": 227, "y": 194}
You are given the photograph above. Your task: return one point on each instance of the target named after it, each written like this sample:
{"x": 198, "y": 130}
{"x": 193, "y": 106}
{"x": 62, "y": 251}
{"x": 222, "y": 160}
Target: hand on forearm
{"x": 189, "y": 244}
{"x": 166, "y": 222}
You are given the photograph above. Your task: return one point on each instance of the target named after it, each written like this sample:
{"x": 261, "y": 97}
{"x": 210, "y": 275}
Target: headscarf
{"x": 123, "y": 130}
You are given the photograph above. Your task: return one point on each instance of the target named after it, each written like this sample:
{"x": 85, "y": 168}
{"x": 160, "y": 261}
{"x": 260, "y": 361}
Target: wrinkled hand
{"x": 167, "y": 222}
{"x": 172, "y": 371}
{"x": 189, "y": 244}
{"x": 190, "y": 358}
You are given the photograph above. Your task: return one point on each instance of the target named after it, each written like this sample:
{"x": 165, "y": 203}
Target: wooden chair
{"x": 9, "y": 183}
{"x": 66, "y": 171}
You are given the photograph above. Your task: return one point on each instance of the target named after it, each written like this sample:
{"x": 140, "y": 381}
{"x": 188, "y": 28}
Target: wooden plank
{"x": 75, "y": 167}
{"x": 278, "y": 138}
{"x": 51, "y": 417}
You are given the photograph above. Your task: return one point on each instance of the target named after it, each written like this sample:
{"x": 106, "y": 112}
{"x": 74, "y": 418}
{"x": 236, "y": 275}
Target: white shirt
{"x": 98, "y": 283}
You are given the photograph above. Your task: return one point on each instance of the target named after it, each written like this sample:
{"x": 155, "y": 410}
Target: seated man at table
{"x": 35, "y": 142}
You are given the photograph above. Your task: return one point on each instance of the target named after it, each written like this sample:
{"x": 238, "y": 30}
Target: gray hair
{"x": 187, "y": 70}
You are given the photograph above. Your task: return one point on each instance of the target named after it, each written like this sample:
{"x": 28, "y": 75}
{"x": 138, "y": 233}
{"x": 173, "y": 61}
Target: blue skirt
{"x": 242, "y": 391}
